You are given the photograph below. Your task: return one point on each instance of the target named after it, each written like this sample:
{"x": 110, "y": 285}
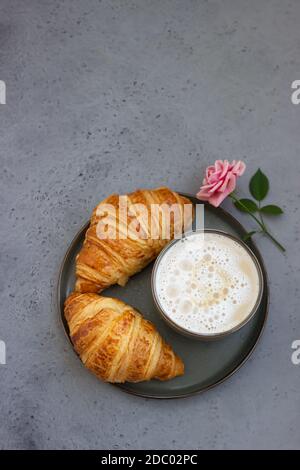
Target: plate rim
{"x": 233, "y": 221}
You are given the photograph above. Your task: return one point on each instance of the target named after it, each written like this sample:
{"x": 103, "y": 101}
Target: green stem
{"x": 235, "y": 199}
{"x": 261, "y": 217}
{"x": 275, "y": 241}
{"x": 259, "y": 222}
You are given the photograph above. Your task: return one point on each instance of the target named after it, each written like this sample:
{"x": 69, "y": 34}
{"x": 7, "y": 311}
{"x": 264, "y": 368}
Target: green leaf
{"x": 248, "y": 236}
{"x": 246, "y": 205}
{"x": 259, "y": 185}
{"x": 271, "y": 210}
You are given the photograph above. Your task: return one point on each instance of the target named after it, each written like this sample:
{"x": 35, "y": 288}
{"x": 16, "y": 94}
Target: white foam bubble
{"x": 207, "y": 284}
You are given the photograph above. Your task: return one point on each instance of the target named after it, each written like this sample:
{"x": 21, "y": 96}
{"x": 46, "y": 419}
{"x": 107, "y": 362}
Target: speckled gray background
{"x": 112, "y": 95}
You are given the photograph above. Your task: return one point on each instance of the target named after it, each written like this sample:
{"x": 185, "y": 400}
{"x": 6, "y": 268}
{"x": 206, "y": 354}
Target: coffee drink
{"x": 207, "y": 283}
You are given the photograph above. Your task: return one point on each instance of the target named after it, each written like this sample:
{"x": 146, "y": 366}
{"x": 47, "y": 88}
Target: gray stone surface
{"x": 108, "y": 96}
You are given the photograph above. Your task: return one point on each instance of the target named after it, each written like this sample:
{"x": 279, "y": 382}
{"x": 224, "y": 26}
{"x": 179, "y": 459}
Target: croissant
{"x": 116, "y": 343}
{"x": 135, "y": 241}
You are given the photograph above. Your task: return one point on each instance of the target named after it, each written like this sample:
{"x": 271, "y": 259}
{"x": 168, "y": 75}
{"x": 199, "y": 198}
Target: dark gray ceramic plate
{"x": 207, "y": 364}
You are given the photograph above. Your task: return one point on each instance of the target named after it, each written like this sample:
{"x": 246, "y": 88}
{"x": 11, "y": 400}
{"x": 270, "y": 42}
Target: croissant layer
{"x": 103, "y": 262}
{"x": 116, "y": 343}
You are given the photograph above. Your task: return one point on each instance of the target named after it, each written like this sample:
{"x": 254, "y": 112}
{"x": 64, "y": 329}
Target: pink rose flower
{"x": 220, "y": 181}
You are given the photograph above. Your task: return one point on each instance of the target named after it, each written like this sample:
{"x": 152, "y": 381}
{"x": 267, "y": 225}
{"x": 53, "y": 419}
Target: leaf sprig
{"x": 259, "y": 187}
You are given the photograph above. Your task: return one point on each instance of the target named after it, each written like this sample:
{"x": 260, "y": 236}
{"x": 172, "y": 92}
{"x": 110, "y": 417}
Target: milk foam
{"x": 207, "y": 283}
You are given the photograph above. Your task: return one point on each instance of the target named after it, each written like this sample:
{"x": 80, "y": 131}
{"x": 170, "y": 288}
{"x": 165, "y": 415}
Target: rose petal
{"x": 239, "y": 168}
{"x": 216, "y": 187}
{"x": 220, "y": 180}
{"x": 203, "y": 196}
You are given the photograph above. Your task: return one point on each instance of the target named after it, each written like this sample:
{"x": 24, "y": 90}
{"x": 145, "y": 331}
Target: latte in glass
{"x": 208, "y": 283}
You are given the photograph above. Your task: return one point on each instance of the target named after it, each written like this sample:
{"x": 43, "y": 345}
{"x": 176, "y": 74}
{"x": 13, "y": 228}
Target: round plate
{"x": 207, "y": 364}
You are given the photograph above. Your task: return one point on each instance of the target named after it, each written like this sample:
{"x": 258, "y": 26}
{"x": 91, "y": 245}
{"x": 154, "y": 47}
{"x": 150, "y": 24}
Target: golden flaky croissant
{"x": 116, "y": 343}
{"x": 134, "y": 242}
